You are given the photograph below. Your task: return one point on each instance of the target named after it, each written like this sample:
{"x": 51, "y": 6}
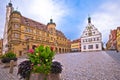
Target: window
{"x": 94, "y": 39}
{"x": 97, "y": 46}
{"x": 16, "y": 35}
{"x": 37, "y": 32}
{"x": 93, "y": 32}
{"x": 90, "y": 46}
{"x": 83, "y": 40}
{"x": 28, "y": 24}
{"x": 39, "y": 38}
{"x": 90, "y": 39}
{"x": 97, "y": 38}
{"x": 84, "y": 47}
{"x": 28, "y": 30}
{"x": 16, "y": 26}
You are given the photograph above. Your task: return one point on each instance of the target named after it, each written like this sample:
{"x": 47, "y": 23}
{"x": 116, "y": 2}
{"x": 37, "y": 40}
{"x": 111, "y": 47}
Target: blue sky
{"x": 69, "y": 15}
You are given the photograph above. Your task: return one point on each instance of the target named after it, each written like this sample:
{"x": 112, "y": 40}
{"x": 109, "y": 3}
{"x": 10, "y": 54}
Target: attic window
{"x": 28, "y": 24}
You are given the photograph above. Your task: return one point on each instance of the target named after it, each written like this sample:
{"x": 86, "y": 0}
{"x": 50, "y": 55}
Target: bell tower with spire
{"x": 89, "y": 20}
{"x": 52, "y": 31}
{"x": 9, "y": 10}
{"x": 51, "y": 27}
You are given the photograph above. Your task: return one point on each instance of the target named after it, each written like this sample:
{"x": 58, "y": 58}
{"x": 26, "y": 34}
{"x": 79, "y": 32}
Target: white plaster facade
{"x": 91, "y": 39}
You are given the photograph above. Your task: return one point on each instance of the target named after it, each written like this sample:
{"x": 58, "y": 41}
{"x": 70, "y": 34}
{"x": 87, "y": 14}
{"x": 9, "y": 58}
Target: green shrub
{"x": 10, "y": 55}
{"x": 6, "y": 58}
{"x": 41, "y": 59}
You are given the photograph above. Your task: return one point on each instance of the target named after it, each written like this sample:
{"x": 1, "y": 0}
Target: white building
{"x": 91, "y": 39}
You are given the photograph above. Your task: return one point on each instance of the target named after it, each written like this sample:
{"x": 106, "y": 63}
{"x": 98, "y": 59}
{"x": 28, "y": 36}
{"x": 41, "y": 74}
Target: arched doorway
{"x": 59, "y": 50}
{"x": 56, "y": 50}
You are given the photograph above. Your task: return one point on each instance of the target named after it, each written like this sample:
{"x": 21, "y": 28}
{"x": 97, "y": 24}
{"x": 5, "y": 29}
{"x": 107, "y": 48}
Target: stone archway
{"x": 56, "y": 49}
{"x": 59, "y": 50}
{"x": 63, "y": 50}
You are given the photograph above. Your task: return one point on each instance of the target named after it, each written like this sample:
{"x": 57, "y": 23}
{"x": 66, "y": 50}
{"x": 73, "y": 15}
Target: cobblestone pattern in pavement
{"x": 89, "y": 66}
{"x": 5, "y": 75}
{"x": 79, "y": 66}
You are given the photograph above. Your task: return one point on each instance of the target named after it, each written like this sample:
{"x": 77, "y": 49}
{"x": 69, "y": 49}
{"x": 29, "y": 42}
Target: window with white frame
{"x": 90, "y": 46}
{"x": 84, "y": 47}
{"x": 97, "y": 46}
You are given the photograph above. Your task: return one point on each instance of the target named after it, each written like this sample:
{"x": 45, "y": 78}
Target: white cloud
{"x": 107, "y": 17}
{"x": 39, "y": 10}
{"x": 43, "y": 10}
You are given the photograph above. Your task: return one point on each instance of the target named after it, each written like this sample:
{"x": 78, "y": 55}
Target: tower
{"x": 89, "y": 20}
{"x": 9, "y": 9}
{"x": 51, "y": 27}
{"x": 52, "y": 31}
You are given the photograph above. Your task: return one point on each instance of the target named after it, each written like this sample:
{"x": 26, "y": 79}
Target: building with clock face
{"x": 91, "y": 39}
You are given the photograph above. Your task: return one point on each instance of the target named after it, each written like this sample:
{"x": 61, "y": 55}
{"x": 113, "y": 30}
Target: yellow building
{"x": 118, "y": 38}
{"x": 108, "y": 45}
{"x": 75, "y": 45}
{"x": 1, "y": 45}
{"x": 25, "y": 34}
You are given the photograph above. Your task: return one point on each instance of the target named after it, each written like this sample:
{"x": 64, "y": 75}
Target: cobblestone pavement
{"x": 89, "y": 66}
{"x": 115, "y": 55}
{"x": 79, "y": 66}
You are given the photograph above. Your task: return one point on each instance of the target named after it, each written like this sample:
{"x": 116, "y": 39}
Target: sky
{"x": 70, "y": 16}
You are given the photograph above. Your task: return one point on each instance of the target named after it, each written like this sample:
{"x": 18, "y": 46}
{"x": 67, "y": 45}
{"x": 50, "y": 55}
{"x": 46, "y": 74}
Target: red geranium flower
{"x": 31, "y": 51}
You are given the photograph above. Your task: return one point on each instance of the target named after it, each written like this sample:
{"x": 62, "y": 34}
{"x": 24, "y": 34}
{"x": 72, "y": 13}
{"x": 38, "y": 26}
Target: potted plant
{"x": 41, "y": 64}
{"x": 7, "y": 58}
{"x": 56, "y": 69}
{"x": 41, "y": 60}
{"x": 24, "y": 69}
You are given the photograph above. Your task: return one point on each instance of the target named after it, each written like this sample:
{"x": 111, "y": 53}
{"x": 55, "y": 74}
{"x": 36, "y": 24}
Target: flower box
{"x": 8, "y": 64}
{"x": 40, "y": 65}
{"x": 6, "y": 58}
{"x": 54, "y": 76}
{"x": 40, "y": 76}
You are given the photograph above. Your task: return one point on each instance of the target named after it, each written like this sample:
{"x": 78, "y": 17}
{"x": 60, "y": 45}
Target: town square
{"x": 59, "y": 40}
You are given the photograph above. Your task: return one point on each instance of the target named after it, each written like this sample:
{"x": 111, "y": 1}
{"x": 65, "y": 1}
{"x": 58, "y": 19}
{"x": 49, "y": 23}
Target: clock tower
{"x": 91, "y": 39}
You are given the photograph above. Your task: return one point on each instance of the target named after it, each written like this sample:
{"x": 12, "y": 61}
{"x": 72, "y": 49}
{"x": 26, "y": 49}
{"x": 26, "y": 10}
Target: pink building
{"x": 112, "y": 39}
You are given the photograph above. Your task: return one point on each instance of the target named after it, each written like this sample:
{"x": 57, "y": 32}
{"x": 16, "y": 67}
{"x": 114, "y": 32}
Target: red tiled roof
{"x": 75, "y": 41}
{"x": 38, "y": 25}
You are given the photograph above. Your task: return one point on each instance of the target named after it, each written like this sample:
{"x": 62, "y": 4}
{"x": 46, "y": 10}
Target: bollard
{"x": 11, "y": 66}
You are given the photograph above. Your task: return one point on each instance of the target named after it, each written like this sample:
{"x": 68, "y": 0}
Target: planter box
{"x": 40, "y": 76}
{"x": 5, "y": 65}
{"x": 54, "y": 76}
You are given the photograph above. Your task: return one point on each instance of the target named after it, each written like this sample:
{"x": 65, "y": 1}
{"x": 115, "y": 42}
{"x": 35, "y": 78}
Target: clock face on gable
{"x": 90, "y": 33}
